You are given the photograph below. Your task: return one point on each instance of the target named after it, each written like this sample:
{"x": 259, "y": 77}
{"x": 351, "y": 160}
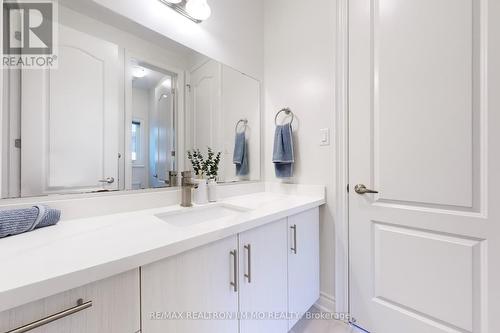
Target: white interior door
{"x": 162, "y": 121}
{"x": 425, "y": 133}
{"x": 70, "y": 120}
{"x": 205, "y": 106}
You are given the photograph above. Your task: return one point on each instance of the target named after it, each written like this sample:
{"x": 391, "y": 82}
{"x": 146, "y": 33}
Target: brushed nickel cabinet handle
{"x": 294, "y": 247}
{"x": 234, "y": 283}
{"x": 248, "y": 275}
{"x": 47, "y": 320}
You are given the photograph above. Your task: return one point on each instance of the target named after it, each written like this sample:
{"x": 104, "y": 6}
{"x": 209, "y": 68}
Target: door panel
{"x": 70, "y": 118}
{"x": 423, "y": 251}
{"x": 162, "y": 134}
{"x": 422, "y": 262}
{"x": 206, "y": 106}
{"x": 423, "y": 100}
{"x": 80, "y": 126}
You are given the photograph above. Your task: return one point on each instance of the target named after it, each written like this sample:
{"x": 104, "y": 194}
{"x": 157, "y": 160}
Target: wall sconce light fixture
{"x": 195, "y": 10}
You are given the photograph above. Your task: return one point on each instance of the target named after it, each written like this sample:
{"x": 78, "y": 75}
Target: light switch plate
{"x": 324, "y": 138}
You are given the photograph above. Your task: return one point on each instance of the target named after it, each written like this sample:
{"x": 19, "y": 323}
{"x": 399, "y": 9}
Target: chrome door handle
{"x": 234, "y": 283}
{"x": 361, "y": 189}
{"x": 248, "y": 275}
{"x": 294, "y": 247}
{"x": 109, "y": 180}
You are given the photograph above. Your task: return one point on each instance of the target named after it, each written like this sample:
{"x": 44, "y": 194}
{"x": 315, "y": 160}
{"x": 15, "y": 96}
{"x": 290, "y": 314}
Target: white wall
{"x": 233, "y": 35}
{"x": 299, "y": 73}
{"x": 80, "y": 18}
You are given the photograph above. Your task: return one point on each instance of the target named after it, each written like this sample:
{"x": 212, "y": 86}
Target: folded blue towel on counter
{"x": 240, "y": 156}
{"x": 283, "y": 157}
{"x": 18, "y": 221}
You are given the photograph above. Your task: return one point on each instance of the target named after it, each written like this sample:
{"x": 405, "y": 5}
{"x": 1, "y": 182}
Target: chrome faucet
{"x": 186, "y": 187}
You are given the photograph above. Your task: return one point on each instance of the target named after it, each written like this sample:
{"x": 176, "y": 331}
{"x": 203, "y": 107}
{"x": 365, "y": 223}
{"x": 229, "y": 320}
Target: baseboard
{"x": 325, "y": 303}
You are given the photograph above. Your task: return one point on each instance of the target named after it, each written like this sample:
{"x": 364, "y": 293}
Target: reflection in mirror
{"x": 220, "y": 98}
{"x": 153, "y": 125}
{"x": 121, "y": 110}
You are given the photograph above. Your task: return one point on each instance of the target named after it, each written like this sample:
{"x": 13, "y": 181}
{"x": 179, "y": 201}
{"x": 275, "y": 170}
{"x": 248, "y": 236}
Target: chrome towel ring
{"x": 245, "y": 124}
{"x": 287, "y": 111}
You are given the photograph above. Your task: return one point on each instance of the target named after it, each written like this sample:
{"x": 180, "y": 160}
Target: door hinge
{"x": 17, "y": 143}
{"x": 347, "y": 188}
{"x": 189, "y": 87}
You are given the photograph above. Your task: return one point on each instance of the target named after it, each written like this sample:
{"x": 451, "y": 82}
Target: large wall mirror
{"x": 121, "y": 111}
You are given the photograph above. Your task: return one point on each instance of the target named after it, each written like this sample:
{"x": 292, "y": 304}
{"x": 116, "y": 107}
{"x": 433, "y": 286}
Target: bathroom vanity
{"x": 250, "y": 260}
{"x": 128, "y": 109}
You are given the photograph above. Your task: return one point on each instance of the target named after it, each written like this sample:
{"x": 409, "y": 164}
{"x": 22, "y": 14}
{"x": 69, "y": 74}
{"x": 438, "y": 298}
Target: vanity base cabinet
{"x": 200, "y": 282}
{"x": 263, "y": 279}
{"x": 256, "y": 281}
{"x": 114, "y": 308}
{"x": 303, "y": 263}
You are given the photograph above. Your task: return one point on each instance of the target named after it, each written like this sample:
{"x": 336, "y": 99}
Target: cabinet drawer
{"x": 106, "y": 306}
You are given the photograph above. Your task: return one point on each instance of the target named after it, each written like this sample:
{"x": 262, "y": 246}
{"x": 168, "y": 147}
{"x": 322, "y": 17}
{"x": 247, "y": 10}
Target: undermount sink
{"x": 201, "y": 214}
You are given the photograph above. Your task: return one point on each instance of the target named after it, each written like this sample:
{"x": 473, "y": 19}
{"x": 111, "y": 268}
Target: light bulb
{"x": 198, "y": 9}
{"x": 139, "y": 72}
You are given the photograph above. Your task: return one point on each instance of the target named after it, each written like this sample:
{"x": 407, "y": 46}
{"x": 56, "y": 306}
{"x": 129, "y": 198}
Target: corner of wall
{"x": 325, "y": 303}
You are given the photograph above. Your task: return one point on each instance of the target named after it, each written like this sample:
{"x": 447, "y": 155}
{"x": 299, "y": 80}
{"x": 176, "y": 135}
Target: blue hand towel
{"x": 240, "y": 156}
{"x": 18, "y": 221}
{"x": 283, "y": 157}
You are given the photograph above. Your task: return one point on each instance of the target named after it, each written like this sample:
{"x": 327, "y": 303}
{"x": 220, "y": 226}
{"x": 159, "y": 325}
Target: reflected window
{"x": 136, "y": 140}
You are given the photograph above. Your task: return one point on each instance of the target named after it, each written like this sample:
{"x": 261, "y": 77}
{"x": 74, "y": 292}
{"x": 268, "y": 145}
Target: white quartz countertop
{"x": 77, "y": 252}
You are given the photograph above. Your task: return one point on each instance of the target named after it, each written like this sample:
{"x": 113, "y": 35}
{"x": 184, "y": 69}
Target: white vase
{"x": 212, "y": 190}
{"x": 200, "y": 192}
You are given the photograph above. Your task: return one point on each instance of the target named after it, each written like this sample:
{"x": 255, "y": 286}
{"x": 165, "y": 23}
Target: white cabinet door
{"x": 263, "y": 278}
{"x": 303, "y": 262}
{"x": 70, "y": 119}
{"x": 115, "y": 309}
{"x": 197, "y": 282}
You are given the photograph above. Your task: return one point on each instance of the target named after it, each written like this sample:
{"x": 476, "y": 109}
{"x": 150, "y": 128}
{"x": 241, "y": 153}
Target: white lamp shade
{"x": 199, "y": 9}
{"x": 173, "y": 1}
